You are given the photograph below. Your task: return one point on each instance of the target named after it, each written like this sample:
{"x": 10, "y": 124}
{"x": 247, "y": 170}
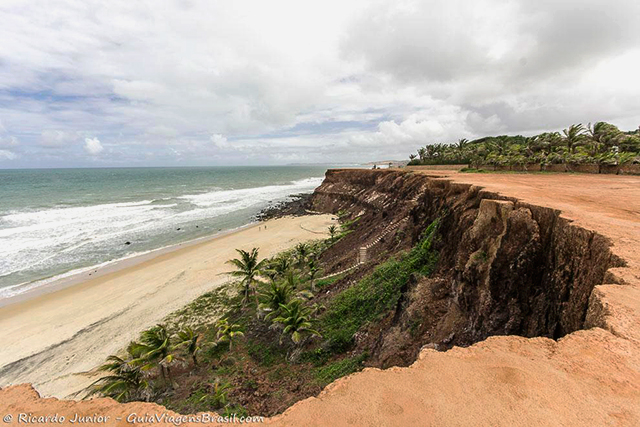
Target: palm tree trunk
{"x": 162, "y": 374}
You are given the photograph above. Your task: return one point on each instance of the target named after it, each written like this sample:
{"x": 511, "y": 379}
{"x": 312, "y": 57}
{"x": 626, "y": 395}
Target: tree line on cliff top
{"x": 601, "y": 143}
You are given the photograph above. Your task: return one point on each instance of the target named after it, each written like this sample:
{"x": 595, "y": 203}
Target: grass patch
{"x": 331, "y": 372}
{"x": 376, "y": 294}
{"x": 265, "y": 355}
{"x": 203, "y": 310}
{"x": 323, "y": 283}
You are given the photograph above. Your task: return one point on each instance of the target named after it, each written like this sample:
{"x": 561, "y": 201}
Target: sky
{"x": 195, "y": 83}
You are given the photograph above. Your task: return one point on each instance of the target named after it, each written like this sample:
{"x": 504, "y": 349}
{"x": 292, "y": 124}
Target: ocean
{"x": 56, "y": 222}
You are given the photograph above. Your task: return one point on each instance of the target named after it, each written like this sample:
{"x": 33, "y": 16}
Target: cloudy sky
{"x": 150, "y": 83}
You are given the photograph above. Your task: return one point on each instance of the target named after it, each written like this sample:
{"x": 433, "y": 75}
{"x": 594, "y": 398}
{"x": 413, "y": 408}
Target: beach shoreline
{"x": 77, "y": 276}
{"x": 57, "y": 336}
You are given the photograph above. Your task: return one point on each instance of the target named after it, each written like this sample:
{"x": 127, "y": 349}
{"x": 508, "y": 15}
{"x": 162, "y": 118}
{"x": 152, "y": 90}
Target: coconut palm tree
{"x": 187, "y": 340}
{"x": 153, "y": 349}
{"x": 314, "y": 269}
{"x": 333, "y": 230}
{"x": 461, "y": 149}
{"x": 278, "y": 267}
{"x": 123, "y": 383}
{"x": 530, "y": 145}
{"x": 422, "y": 154}
{"x": 301, "y": 251}
{"x": 228, "y": 333}
{"x": 296, "y": 319}
{"x": 247, "y": 270}
{"x": 217, "y": 396}
{"x": 573, "y": 136}
{"x": 275, "y": 295}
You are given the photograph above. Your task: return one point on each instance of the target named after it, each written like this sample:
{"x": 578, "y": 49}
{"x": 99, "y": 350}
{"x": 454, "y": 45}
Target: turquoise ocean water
{"x": 57, "y": 221}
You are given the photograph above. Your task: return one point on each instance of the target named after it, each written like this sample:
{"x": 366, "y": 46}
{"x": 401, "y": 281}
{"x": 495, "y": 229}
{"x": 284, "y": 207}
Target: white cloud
{"x": 56, "y": 138}
{"x": 8, "y": 141}
{"x": 162, "y": 132}
{"x": 7, "y": 155}
{"x": 220, "y": 141}
{"x": 289, "y": 75}
{"x": 93, "y": 146}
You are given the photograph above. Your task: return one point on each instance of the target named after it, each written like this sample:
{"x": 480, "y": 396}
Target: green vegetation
{"x": 216, "y": 396}
{"x": 602, "y": 144}
{"x": 123, "y": 382}
{"x": 323, "y": 283}
{"x": 226, "y": 351}
{"x": 153, "y": 350}
{"x": 332, "y": 371}
{"x": 333, "y": 231}
{"x": 296, "y": 320}
{"x": 228, "y": 333}
{"x": 376, "y": 294}
{"x": 188, "y": 341}
{"x": 203, "y": 310}
{"x": 247, "y": 270}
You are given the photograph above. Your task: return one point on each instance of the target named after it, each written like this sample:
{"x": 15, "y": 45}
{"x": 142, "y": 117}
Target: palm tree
{"x": 154, "y": 349}
{"x": 302, "y": 251}
{"x": 277, "y": 267}
{"x": 501, "y": 144}
{"x": 123, "y": 383}
{"x": 531, "y": 145}
{"x": 296, "y": 319}
{"x": 218, "y": 395}
{"x": 573, "y": 136}
{"x": 548, "y": 141}
{"x": 187, "y": 340}
{"x": 314, "y": 269}
{"x": 461, "y": 149}
{"x": 422, "y": 154}
{"x": 333, "y": 230}
{"x": 273, "y": 297}
{"x": 247, "y": 269}
{"x": 228, "y": 333}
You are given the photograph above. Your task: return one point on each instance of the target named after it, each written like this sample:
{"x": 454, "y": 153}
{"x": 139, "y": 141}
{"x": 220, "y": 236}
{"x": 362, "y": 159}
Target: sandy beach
{"x": 54, "y": 339}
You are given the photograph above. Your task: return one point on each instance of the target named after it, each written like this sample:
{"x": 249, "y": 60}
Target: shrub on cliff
{"x": 377, "y": 293}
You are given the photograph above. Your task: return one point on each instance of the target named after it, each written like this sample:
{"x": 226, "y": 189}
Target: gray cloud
{"x": 252, "y": 82}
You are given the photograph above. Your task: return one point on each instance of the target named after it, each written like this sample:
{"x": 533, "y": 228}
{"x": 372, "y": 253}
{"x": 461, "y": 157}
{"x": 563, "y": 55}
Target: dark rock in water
{"x": 196, "y": 226}
{"x": 127, "y": 243}
{"x": 297, "y": 206}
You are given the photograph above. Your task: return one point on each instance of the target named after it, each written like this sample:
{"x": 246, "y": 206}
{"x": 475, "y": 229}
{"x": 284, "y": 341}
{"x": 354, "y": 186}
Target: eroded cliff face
{"x": 505, "y": 267}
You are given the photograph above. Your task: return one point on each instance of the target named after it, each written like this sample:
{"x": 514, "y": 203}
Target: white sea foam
{"x": 44, "y": 239}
